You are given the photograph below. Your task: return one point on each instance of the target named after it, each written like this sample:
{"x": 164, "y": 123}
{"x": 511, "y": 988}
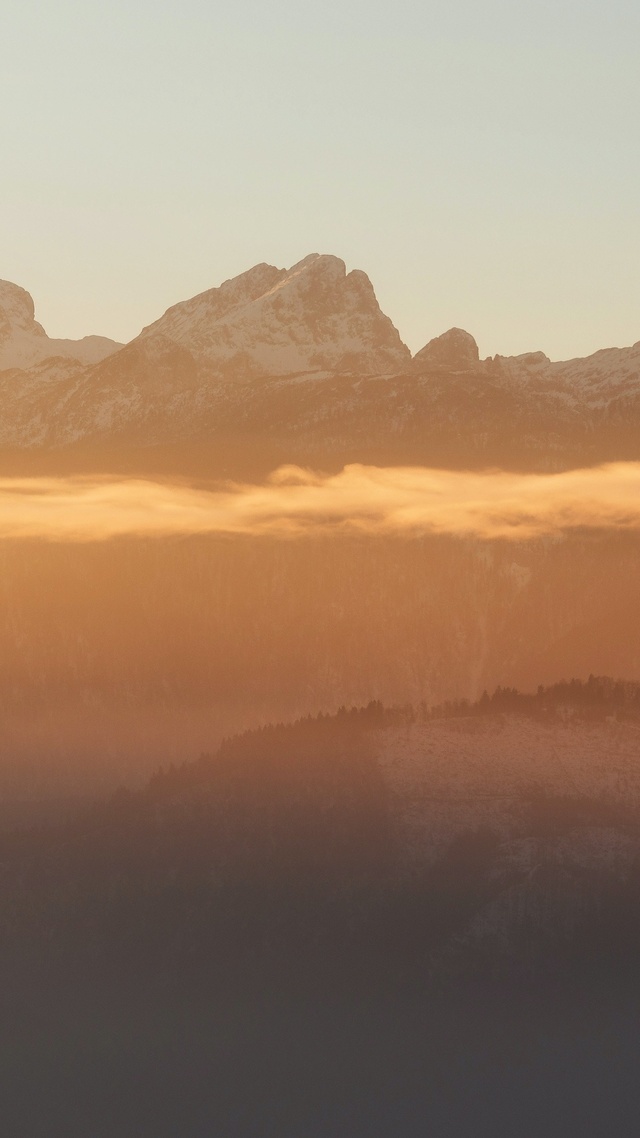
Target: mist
{"x": 294, "y": 502}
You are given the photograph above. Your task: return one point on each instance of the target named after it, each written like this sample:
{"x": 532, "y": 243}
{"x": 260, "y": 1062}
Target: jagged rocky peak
{"x": 455, "y": 350}
{"x": 313, "y": 317}
{"x": 24, "y": 342}
{"x": 17, "y": 313}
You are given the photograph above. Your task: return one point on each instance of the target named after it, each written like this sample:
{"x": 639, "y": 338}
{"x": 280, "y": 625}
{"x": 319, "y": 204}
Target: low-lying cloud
{"x": 295, "y": 502}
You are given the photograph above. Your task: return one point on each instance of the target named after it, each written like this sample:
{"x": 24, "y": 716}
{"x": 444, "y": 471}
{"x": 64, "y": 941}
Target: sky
{"x": 479, "y": 161}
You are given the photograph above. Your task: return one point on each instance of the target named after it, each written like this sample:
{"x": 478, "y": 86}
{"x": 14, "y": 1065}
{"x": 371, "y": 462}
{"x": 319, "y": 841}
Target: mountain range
{"x": 302, "y": 365}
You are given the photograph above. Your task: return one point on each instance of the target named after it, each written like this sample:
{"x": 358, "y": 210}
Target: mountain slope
{"x": 312, "y": 317}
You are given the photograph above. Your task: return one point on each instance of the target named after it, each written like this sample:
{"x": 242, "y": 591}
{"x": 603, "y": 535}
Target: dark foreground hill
{"x": 406, "y": 921}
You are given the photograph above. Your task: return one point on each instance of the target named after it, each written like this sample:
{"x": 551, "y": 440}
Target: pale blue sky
{"x": 481, "y": 161}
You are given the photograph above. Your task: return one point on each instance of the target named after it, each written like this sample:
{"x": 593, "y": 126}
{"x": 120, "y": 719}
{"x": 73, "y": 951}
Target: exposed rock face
{"x": 314, "y": 317}
{"x": 24, "y": 342}
{"x": 17, "y": 313}
{"x": 455, "y": 350}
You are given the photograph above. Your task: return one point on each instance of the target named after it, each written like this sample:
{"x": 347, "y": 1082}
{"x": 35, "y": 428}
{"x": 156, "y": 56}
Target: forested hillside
{"x": 115, "y": 656}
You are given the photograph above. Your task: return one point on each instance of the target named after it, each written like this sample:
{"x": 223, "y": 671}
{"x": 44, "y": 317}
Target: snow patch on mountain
{"x": 314, "y": 317}
{"x": 591, "y": 381}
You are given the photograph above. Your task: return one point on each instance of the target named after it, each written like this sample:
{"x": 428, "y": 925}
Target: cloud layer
{"x": 360, "y": 499}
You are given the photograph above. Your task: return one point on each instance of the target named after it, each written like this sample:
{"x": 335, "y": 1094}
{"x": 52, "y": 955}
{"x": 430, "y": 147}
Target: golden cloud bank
{"x": 294, "y": 503}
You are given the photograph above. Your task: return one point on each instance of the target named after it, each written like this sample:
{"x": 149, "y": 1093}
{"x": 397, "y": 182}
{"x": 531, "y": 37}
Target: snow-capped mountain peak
{"x": 313, "y": 317}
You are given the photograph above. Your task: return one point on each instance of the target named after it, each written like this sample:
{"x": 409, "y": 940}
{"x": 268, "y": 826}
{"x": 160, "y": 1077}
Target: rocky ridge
{"x": 314, "y": 317}
{"x": 24, "y": 342}
{"x": 302, "y": 364}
